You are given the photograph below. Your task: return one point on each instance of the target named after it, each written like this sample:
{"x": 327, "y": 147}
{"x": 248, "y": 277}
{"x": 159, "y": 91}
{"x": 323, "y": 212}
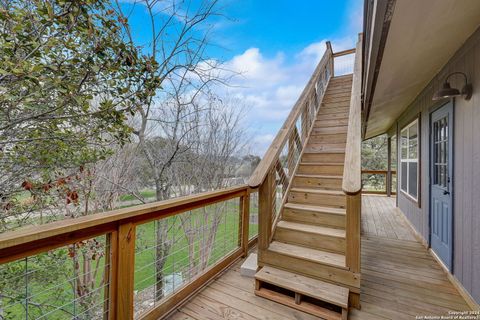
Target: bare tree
{"x": 219, "y": 137}
{"x": 176, "y": 71}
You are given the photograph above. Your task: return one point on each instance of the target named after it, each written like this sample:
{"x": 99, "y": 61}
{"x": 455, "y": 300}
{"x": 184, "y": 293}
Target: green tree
{"x": 374, "y": 157}
{"x": 66, "y": 78}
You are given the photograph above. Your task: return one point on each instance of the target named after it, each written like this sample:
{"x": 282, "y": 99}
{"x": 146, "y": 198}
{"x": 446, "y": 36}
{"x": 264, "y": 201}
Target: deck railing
{"x": 114, "y": 265}
{"x": 372, "y": 184}
{"x": 352, "y": 180}
{"x": 274, "y": 173}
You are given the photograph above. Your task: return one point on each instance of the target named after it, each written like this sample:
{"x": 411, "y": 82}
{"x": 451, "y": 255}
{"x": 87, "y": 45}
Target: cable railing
{"x": 138, "y": 262}
{"x": 344, "y": 62}
{"x": 379, "y": 181}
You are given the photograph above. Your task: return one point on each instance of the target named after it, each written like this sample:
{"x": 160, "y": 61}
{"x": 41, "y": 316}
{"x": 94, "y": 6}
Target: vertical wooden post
{"x": 304, "y": 122}
{"x": 245, "y": 222}
{"x": 352, "y": 252}
{"x": 329, "y": 48}
{"x": 111, "y": 258}
{"x": 125, "y": 271}
{"x": 265, "y": 202}
{"x": 389, "y": 167}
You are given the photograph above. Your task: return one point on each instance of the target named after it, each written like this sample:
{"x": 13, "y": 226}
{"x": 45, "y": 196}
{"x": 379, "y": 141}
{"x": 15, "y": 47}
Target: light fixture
{"x": 449, "y": 92}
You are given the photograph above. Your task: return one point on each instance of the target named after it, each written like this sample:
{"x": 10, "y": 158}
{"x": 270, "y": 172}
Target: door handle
{"x": 445, "y": 192}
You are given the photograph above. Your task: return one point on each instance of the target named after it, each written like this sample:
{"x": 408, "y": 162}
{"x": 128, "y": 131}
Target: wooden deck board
{"x": 399, "y": 279}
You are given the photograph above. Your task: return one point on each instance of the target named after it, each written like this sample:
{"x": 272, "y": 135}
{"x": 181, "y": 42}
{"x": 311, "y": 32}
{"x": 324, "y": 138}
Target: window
{"x": 409, "y": 160}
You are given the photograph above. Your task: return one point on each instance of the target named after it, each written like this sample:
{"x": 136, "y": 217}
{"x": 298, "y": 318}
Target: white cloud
{"x": 270, "y": 86}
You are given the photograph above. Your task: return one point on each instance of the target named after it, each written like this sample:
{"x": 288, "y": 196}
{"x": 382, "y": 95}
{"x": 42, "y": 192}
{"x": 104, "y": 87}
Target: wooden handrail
{"x": 283, "y": 134}
{"x": 344, "y": 52}
{"x": 352, "y": 180}
{"x": 352, "y": 170}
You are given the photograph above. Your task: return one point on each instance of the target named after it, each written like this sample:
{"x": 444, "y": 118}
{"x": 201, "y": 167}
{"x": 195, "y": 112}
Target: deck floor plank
{"x": 400, "y": 279}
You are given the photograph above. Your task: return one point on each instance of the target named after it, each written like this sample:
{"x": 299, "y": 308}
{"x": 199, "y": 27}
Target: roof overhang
{"x": 407, "y": 44}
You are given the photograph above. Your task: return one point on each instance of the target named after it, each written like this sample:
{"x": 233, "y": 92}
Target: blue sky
{"x": 284, "y": 26}
{"x": 275, "y": 46}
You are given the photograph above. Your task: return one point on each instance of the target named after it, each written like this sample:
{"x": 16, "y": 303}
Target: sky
{"x": 274, "y": 46}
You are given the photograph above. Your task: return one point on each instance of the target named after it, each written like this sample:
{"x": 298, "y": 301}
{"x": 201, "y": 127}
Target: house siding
{"x": 466, "y": 180}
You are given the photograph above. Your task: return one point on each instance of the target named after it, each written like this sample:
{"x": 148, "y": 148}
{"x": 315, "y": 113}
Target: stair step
{"x": 325, "y": 147}
{"x": 323, "y": 156}
{"x": 270, "y": 281}
{"x": 318, "y": 215}
{"x": 331, "y": 123}
{"x": 327, "y": 109}
{"x": 318, "y": 256}
{"x": 324, "y": 168}
{"x": 309, "y": 268}
{"x": 327, "y": 138}
{"x": 312, "y": 236}
{"x": 332, "y": 116}
{"x": 328, "y": 182}
{"x": 329, "y": 130}
{"x": 312, "y": 196}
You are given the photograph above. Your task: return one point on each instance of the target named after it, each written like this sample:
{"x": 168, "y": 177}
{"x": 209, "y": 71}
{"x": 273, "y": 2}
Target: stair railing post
{"x": 329, "y": 48}
{"x": 354, "y": 209}
{"x": 265, "y": 210}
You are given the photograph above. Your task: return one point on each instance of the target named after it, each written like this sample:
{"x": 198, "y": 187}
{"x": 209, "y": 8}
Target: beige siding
{"x": 466, "y": 263}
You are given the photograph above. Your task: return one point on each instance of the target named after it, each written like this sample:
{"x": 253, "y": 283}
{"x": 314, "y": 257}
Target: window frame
{"x": 401, "y": 160}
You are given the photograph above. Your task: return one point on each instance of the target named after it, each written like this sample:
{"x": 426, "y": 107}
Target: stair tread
{"x": 306, "y": 207}
{"x": 319, "y": 176}
{"x": 321, "y": 163}
{"x": 318, "y": 191}
{"x": 335, "y": 150}
{"x": 310, "y": 228}
{"x": 318, "y": 289}
{"x": 310, "y": 254}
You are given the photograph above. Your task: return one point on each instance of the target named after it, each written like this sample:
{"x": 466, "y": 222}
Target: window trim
{"x": 400, "y": 159}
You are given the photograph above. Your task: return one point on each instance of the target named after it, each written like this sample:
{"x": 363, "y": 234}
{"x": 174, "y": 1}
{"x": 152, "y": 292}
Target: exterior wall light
{"x": 449, "y": 92}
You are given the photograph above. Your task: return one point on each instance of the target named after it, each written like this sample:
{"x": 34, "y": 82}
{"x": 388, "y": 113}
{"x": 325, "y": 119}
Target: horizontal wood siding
{"x": 466, "y": 163}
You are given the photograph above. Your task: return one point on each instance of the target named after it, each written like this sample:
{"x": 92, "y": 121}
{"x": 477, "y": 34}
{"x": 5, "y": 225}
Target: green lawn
{"x": 145, "y": 193}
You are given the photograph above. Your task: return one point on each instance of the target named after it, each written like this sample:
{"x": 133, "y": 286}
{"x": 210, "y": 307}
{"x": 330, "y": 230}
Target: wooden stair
{"x": 304, "y": 265}
{"x": 329, "y": 301}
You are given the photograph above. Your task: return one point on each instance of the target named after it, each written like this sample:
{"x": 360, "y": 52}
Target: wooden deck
{"x": 400, "y": 280}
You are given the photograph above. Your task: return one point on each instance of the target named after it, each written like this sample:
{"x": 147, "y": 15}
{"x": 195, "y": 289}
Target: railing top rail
{"x": 344, "y": 52}
{"x": 35, "y": 239}
{"x": 280, "y": 139}
{"x": 352, "y": 182}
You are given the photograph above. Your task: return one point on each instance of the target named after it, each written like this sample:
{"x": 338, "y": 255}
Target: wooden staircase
{"x": 309, "y": 197}
{"x": 305, "y": 265}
